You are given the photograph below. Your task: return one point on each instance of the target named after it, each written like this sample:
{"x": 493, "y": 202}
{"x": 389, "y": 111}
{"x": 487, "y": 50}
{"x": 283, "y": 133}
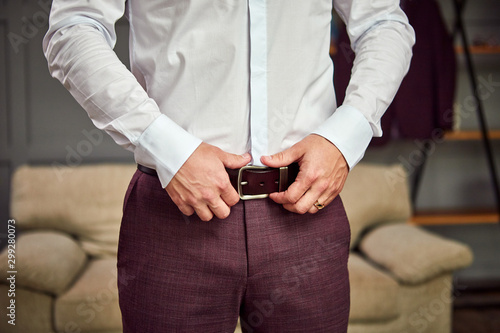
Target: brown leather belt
{"x": 254, "y": 182}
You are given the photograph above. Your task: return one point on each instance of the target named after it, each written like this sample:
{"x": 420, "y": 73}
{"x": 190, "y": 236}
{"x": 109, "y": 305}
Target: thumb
{"x": 283, "y": 158}
{"x": 233, "y": 161}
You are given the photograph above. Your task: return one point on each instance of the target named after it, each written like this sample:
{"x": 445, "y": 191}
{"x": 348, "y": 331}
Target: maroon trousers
{"x": 278, "y": 271}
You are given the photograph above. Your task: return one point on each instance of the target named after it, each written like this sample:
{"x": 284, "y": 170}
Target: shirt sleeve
{"x": 381, "y": 38}
{"x": 79, "y": 50}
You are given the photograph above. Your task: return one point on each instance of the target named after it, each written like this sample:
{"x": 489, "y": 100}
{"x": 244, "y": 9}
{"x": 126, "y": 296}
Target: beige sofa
{"x": 67, "y": 223}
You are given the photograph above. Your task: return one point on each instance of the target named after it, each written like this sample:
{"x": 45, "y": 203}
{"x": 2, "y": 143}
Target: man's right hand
{"x": 202, "y": 184}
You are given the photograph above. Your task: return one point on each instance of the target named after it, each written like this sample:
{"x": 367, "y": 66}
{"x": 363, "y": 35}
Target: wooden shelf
{"x": 479, "y": 49}
{"x": 470, "y": 135}
{"x": 454, "y": 218}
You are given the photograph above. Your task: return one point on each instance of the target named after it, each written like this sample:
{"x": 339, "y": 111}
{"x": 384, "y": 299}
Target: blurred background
{"x": 432, "y": 129}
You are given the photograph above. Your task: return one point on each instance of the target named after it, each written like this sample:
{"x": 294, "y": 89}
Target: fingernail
{"x": 269, "y": 157}
{"x": 245, "y": 155}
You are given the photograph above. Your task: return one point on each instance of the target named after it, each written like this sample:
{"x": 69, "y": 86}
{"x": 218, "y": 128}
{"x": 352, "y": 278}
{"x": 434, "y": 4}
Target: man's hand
{"x": 202, "y": 184}
{"x": 322, "y": 174}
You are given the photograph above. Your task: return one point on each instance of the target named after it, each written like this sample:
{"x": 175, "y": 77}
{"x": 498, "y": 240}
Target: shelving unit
{"x": 471, "y": 135}
{"x": 479, "y": 49}
{"x": 483, "y": 134}
{"x": 454, "y": 218}
{"x": 476, "y": 288}
{"x": 459, "y": 30}
{"x": 470, "y": 93}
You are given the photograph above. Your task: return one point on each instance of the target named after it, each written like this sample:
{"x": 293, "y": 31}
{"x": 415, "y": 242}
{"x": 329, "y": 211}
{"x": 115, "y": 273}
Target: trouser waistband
{"x": 253, "y": 182}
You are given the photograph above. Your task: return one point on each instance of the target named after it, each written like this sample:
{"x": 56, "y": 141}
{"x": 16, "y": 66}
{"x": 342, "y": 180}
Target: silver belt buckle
{"x": 282, "y": 181}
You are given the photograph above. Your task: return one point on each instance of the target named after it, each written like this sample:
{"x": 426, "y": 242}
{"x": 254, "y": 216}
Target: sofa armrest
{"x": 412, "y": 254}
{"x": 46, "y": 261}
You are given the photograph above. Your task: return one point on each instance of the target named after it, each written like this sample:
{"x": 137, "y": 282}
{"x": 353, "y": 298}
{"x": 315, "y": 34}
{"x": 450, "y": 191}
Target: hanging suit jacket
{"x": 424, "y": 101}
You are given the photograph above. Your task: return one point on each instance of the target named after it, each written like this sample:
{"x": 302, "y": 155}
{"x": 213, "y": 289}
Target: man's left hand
{"x": 322, "y": 174}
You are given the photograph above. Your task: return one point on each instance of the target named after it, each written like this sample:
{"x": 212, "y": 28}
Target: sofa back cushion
{"x": 47, "y": 261}
{"x": 375, "y": 194}
{"x": 84, "y": 201}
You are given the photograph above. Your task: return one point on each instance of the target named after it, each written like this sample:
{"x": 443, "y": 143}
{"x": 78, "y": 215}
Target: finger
{"x": 296, "y": 190}
{"x": 229, "y": 195}
{"x": 324, "y": 202}
{"x": 283, "y": 158}
{"x": 233, "y": 161}
{"x": 291, "y": 195}
{"x": 304, "y": 204}
{"x": 220, "y": 209}
{"x": 204, "y": 213}
{"x": 186, "y": 209}
{"x": 330, "y": 194}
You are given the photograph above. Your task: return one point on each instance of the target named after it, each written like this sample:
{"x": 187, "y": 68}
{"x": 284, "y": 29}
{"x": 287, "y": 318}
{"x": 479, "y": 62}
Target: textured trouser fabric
{"x": 278, "y": 271}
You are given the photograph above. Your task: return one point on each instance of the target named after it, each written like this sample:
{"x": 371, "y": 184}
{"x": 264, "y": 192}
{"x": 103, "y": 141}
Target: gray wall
{"x": 41, "y": 124}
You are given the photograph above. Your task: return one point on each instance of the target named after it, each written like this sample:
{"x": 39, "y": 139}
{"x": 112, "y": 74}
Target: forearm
{"x": 381, "y": 38}
{"x": 81, "y": 58}
{"x": 382, "y": 60}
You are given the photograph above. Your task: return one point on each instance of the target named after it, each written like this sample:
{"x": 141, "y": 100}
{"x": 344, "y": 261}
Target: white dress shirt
{"x": 246, "y": 76}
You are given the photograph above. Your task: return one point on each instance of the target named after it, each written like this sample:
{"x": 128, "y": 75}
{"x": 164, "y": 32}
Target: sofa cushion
{"x": 46, "y": 261}
{"x": 374, "y": 194}
{"x": 374, "y": 294}
{"x": 91, "y": 305}
{"x": 412, "y": 254}
{"x": 85, "y": 201}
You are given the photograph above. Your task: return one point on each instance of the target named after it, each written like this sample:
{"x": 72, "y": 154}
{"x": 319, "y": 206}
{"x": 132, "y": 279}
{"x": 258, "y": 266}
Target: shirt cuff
{"x": 349, "y": 131}
{"x": 165, "y": 147}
